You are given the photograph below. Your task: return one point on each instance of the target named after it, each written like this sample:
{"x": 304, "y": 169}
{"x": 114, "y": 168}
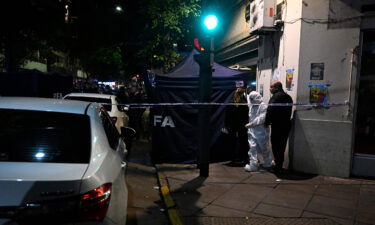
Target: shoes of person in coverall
{"x": 258, "y": 134}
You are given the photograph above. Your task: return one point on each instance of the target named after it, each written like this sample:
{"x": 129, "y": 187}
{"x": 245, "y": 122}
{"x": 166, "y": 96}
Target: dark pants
{"x": 241, "y": 147}
{"x": 279, "y": 138}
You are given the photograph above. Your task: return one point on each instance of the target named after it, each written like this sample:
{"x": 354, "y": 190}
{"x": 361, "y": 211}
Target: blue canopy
{"x": 175, "y": 133}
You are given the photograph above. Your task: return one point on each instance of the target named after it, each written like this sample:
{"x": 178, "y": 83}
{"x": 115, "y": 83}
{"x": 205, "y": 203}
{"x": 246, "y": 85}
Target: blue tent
{"x": 175, "y": 131}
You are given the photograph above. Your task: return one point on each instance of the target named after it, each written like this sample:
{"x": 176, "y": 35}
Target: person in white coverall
{"x": 258, "y": 134}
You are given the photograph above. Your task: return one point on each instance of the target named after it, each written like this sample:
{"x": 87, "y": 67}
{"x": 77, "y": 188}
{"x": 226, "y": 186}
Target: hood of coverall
{"x": 255, "y": 98}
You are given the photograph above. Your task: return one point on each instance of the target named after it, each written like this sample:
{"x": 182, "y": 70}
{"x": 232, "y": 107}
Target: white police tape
{"x": 147, "y": 105}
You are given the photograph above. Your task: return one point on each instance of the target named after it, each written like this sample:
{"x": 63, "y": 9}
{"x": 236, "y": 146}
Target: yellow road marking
{"x": 174, "y": 217}
{"x": 167, "y": 197}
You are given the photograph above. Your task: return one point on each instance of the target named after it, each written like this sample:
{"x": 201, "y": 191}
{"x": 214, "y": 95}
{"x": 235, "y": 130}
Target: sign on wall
{"x": 317, "y": 71}
{"x": 318, "y": 93}
{"x": 289, "y": 79}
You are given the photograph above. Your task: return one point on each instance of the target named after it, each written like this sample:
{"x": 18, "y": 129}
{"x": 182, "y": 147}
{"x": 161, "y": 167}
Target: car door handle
{"x": 123, "y": 165}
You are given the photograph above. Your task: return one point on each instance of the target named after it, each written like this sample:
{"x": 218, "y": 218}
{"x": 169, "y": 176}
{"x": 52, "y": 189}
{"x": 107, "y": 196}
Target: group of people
{"x": 138, "y": 116}
{"x": 249, "y": 125}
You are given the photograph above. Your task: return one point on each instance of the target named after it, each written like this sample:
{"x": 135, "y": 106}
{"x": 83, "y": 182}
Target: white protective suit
{"x": 258, "y": 134}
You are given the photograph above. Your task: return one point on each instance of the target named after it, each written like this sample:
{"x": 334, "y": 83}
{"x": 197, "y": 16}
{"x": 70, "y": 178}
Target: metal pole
{"x": 212, "y": 46}
{"x": 205, "y": 86}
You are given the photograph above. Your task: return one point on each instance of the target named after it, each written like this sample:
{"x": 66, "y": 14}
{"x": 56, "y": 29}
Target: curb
{"x": 173, "y": 214}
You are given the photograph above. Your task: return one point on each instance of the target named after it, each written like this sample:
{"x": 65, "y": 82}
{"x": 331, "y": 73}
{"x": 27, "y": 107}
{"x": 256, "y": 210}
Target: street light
{"x": 118, "y": 8}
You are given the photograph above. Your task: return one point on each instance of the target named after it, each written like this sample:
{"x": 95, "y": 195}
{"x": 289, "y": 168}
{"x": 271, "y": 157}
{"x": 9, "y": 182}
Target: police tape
{"x": 150, "y": 105}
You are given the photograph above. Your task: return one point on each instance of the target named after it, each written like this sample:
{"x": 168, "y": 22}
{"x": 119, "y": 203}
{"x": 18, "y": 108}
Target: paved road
{"x": 145, "y": 206}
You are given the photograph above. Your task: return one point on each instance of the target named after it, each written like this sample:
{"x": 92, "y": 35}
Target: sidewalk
{"x": 232, "y": 196}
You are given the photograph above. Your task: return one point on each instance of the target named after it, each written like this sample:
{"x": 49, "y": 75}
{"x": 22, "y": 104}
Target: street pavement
{"x": 229, "y": 195}
{"x": 232, "y": 196}
{"x": 145, "y": 206}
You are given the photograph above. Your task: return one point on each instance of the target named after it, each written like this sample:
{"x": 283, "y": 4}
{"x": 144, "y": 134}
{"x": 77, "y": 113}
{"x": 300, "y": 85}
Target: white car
{"x": 110, "y": 102}
{"x": 61, "y": 162}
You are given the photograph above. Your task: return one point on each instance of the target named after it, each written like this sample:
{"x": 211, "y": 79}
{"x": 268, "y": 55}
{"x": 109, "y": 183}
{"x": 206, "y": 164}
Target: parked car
{"x": 61, "y": 162}
{"x": 111, "y": 103}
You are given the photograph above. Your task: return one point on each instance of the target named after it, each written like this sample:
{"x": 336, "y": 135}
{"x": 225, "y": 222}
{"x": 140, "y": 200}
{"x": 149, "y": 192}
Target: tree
{"x": 27, "y": 26}
{"x": 148, "y": 33}
{"x": 103, "y": 62}
{"x": 167, "y": 24}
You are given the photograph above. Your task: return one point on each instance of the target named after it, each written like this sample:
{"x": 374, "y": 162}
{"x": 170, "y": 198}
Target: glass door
{"x": 364, "y": 157}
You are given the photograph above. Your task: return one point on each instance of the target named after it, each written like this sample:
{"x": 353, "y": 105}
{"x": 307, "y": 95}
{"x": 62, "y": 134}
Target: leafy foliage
{"x": 28, "y": 26}
{"x": 170, "y": 21}
{"x": 103, "y": 62}
{"x": 148, "y": 33}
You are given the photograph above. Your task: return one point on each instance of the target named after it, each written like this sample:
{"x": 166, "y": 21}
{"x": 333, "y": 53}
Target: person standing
{"x": 279, "y": 119}
{"x": 135, "y": 113}
{"x": 235, "y": 119}
{"x": 258, "y": 134}
{"x": 122, "y": 95}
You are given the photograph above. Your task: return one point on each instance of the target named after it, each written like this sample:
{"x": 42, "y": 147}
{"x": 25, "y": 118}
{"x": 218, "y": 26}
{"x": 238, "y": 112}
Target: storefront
{"x": 322, "y": 52}
{"x": 364, "y": 147}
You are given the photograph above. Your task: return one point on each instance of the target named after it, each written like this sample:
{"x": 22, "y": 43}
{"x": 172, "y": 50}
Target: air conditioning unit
{"x": 262, "y": 15}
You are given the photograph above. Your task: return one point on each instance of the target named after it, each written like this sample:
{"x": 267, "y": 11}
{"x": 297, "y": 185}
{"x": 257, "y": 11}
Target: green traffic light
{"x": 211, "y": 22}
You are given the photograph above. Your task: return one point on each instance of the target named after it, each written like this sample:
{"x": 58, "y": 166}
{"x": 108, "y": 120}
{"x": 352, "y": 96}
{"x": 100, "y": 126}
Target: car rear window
{"x": 51, "y": 137}
{"x": 106, "y": 101}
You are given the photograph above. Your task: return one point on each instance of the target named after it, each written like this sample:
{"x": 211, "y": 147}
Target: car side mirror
{"x": 128, "y": 132}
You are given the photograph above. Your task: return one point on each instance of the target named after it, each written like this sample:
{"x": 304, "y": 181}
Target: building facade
{"x": 236, "y": 48}
{"x": 323, "y": 51}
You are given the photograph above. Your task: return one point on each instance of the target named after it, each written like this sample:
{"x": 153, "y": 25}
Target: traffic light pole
{"x": 205, "y": 86}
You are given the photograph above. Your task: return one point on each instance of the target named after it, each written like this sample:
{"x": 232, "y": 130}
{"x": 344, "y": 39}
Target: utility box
{"x": 262, "y": 15}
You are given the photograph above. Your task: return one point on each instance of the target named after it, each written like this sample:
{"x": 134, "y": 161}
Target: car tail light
{"x": 94, "y": 204}
{"x": 114, "y": 120}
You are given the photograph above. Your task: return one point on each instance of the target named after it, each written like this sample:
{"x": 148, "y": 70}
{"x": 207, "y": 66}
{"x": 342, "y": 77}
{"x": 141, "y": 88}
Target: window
{"x": 247, "y": 12}
{"x": 110, "y": 130}
{"x": 36, "y": 136}
{"x": 106, "y": 102}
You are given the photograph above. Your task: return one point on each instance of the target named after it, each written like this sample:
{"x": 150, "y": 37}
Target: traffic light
{"x": 205, "y": 75}
{"x": 197, "y": 45}
{"x": 205, "y": 61}
{"x": 210, "y": 21}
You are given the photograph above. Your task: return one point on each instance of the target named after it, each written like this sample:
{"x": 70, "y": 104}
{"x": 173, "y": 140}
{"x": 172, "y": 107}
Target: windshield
{"x": 35, "y": 136}
{"x": 106, "y": 102}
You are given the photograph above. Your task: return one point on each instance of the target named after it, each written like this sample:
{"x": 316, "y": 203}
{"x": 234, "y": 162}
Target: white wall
{"x": 288, "y": 53}
{"x": 321, "y": 140}
{"x": 323, "y": 137}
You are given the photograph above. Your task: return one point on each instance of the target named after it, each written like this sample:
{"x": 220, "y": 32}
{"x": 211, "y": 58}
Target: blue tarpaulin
{"x": 175, "y": 131}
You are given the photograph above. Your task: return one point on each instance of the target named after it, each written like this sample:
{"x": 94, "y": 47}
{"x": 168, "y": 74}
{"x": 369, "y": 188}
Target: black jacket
{"x": 279, "y": 115}
{"x": 237, "y": 116}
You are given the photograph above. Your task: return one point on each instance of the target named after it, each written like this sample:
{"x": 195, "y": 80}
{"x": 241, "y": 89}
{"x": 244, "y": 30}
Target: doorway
{"x": 364, "y": 148}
